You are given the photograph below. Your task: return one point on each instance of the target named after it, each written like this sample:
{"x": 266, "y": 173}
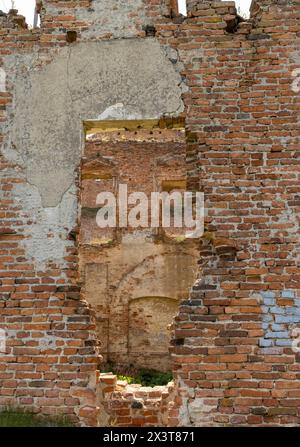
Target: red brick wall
{"x": 126, "y": 405}
{"x": 232, "y": 341}
{"x": 51, "y": 356}
{"x": 243, "y": 134}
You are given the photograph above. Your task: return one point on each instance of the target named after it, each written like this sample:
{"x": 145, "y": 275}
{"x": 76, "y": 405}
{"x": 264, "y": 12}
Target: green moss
{"x": 20, "y": 418}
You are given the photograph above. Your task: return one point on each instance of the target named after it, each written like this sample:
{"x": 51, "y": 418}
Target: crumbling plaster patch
{"x": 118, "y": 112}
{"x": 50, "y": 105}
{"x": 81, "y": 82}
{"x": 45, "y": 237}
{"x": 2, "y": 80}
{"x": 295, "y": 56}
{"x": 114, "y": 17}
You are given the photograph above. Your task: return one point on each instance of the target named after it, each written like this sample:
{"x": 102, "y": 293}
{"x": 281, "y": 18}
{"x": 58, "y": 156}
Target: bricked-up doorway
{"x": 134, "y": 278}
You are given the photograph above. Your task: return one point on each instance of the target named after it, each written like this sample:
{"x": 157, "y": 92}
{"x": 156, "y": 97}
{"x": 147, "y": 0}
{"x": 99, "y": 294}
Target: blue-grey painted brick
{"x": 277, "y": 327}
{"x": 277, "y": 310}
{"x": 267, "y": 318}
{"x": 269, "y": 302}
{"x": 293, "y": 311}
{"x": 268, "y": 294}
{"x": 270, "y": 334}
{"x": 290, "y": 310}
{"x": 275, "y": 319}
{"x": 265, "y": 343}
{"x": 286, "y": 319}
{"x": 282, "y": 334}
{"x": 283, "y": 342}
{"x": 288, "y": 294}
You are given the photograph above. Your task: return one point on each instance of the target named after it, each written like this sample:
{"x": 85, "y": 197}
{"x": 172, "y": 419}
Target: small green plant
{"x": 143, "y": 376}
{"x": 151, "y": 377}
{"x": 127, "y": 378}
{"x": 21, "y": 418}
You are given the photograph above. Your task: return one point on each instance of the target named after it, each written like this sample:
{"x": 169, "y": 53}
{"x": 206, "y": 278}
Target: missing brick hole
{"x": 232, "y": 23}
{"x": 71, "y": 36}
{"x": 150, "y": 30}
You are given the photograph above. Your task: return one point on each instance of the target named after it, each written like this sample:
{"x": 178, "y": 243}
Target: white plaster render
{"x": 108, "y": 17}
{"x": 2, "y": 80}
{"x": 46, "y": 237}
{"x": 49, "y": 106}
{"x": 80, "y": 83}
